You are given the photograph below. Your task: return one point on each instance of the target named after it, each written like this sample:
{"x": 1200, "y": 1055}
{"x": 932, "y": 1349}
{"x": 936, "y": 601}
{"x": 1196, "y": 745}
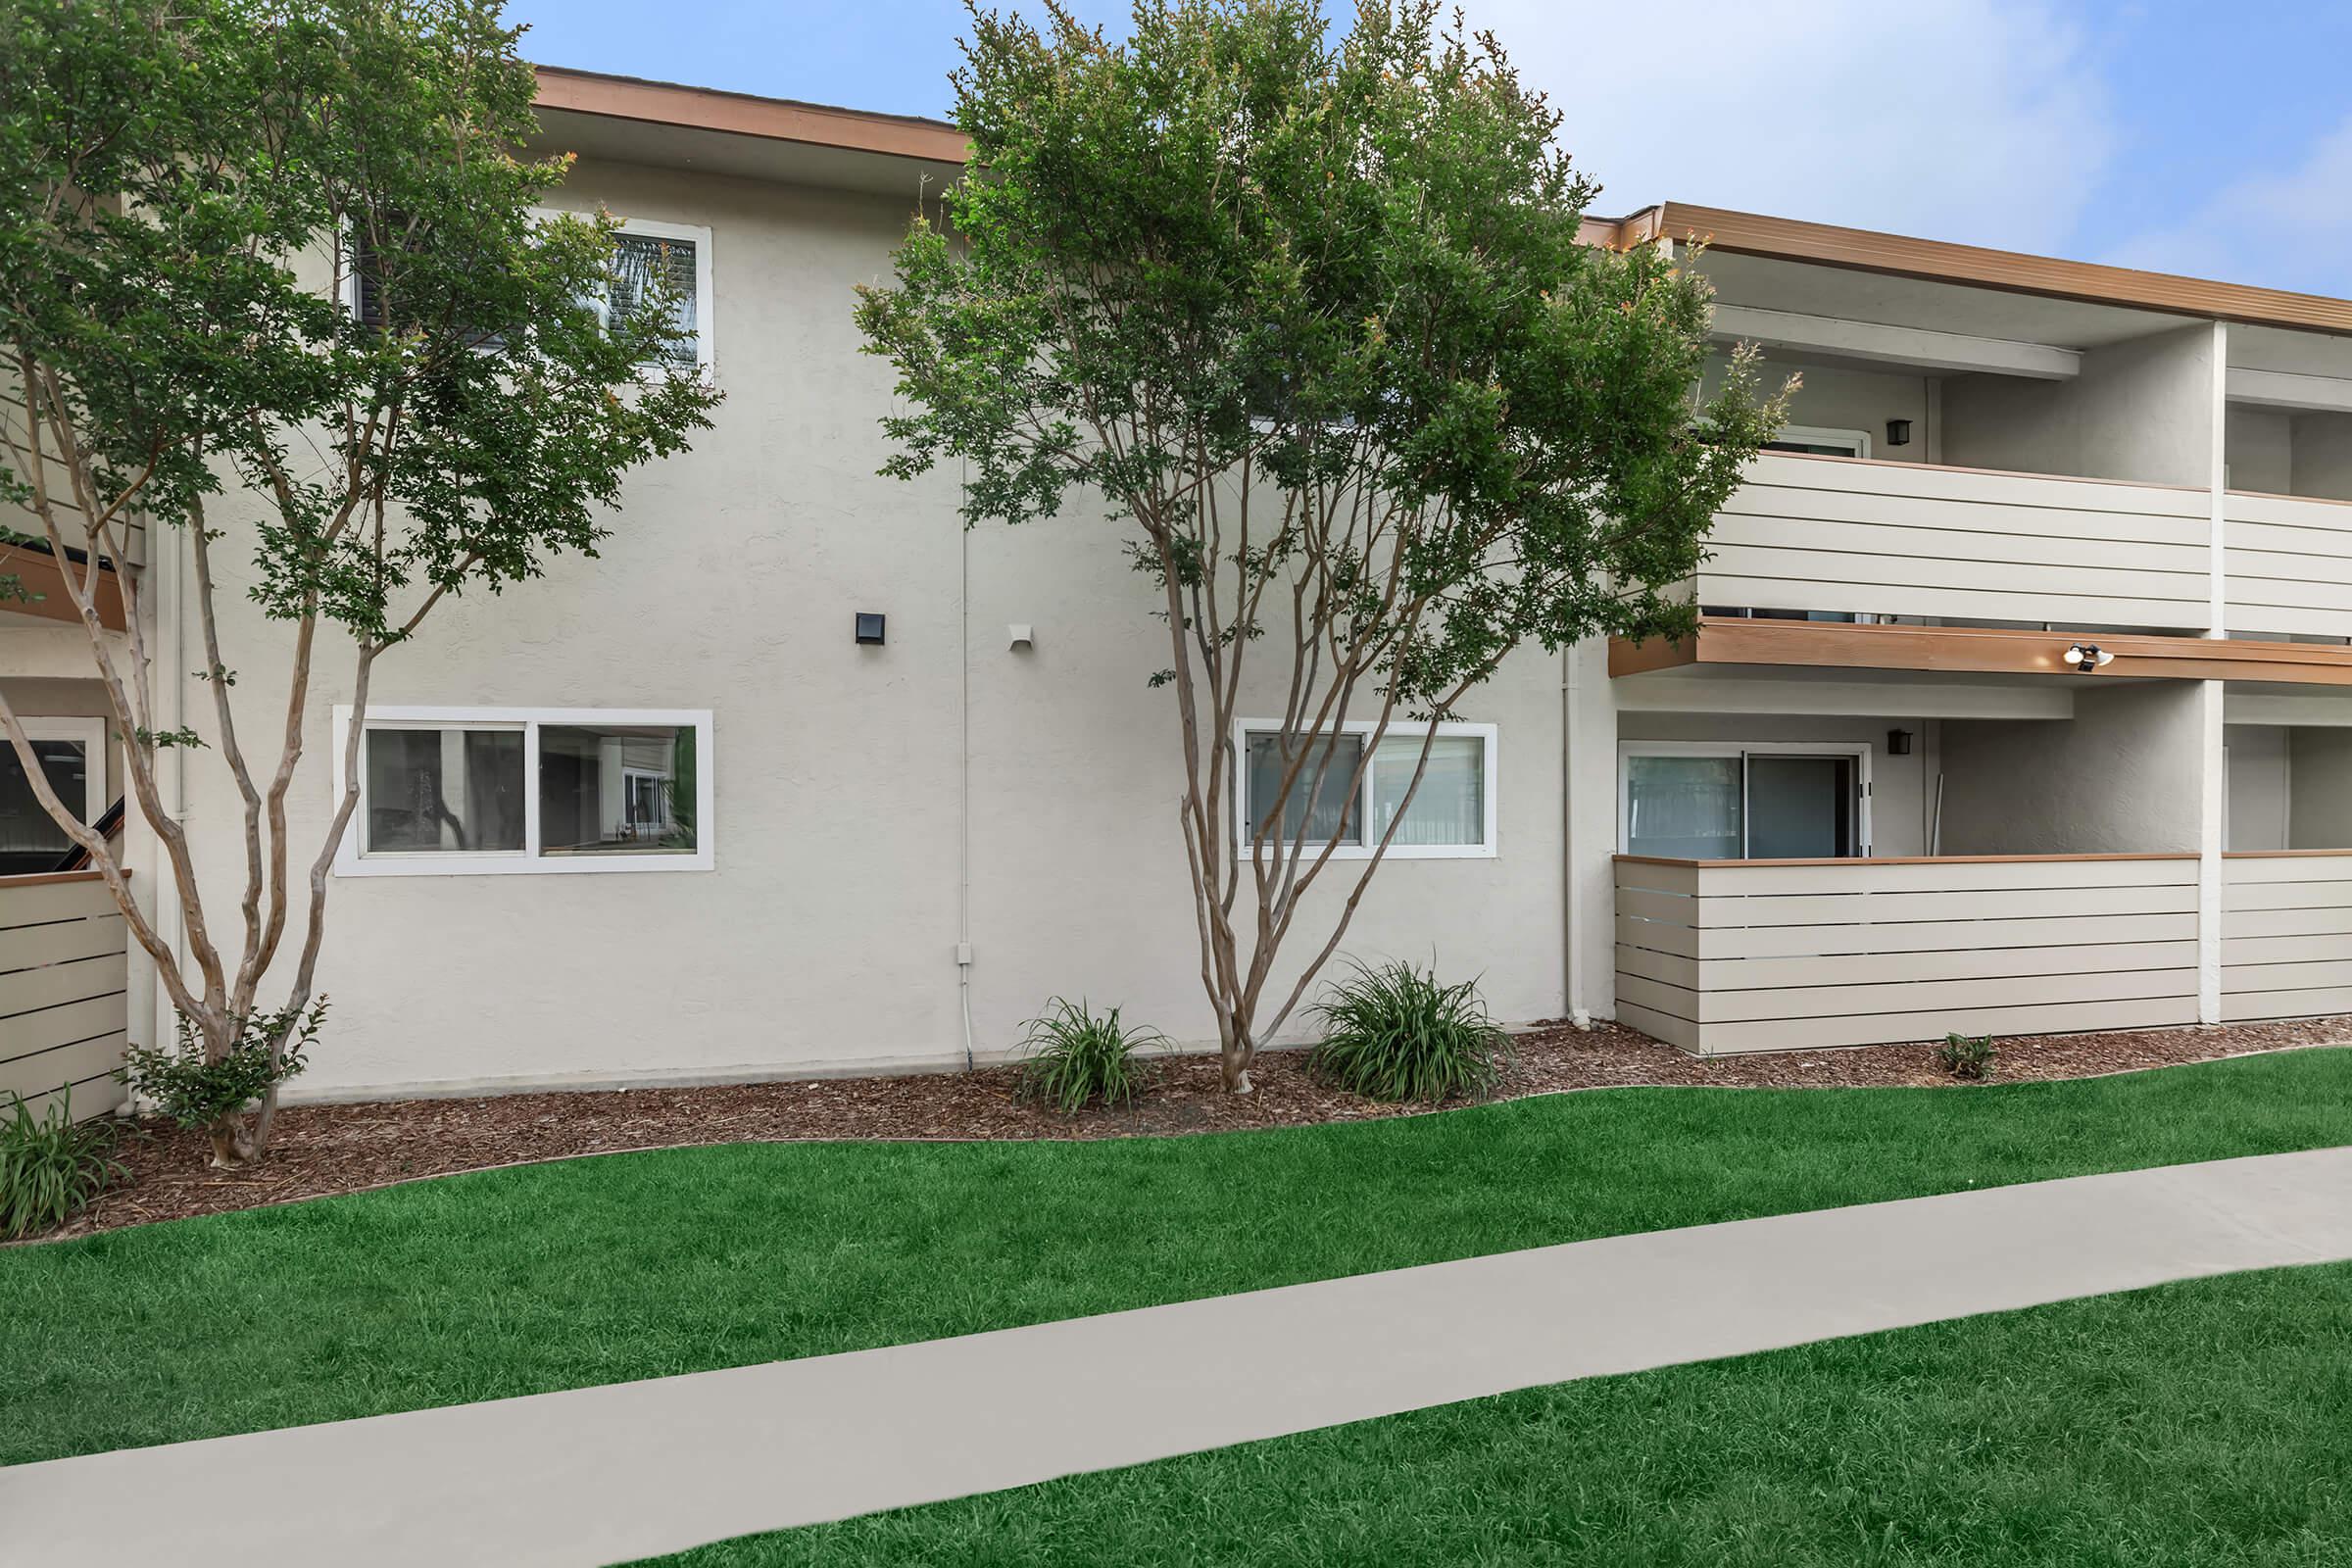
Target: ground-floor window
{"x": 1450, "y": 816}
{"x": 1705, "y": 801}
{"x": 72, "y": 756}
{"x": 493, "y": 789}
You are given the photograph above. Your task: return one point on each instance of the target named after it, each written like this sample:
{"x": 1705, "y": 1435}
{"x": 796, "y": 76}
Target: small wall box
{"x": 870, "y": 628}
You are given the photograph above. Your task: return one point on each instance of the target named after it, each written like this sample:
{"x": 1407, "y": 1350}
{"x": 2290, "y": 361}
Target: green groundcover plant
{"x": 1397, "y": 1032}
{"x": 50, "y": 1165}
{"x": 1073, "y": 1056}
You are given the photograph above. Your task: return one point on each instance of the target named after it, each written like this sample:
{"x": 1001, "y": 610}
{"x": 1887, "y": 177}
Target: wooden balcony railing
{"x": 2287, "y": 934}
{"x": 63, "y": 1001}
{"x": 1846, "y": 536}
{"x": 1733, "y": 955}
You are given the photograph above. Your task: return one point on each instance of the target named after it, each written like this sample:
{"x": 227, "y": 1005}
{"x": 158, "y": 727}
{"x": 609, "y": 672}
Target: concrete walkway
{"x": 608, "y": 1474}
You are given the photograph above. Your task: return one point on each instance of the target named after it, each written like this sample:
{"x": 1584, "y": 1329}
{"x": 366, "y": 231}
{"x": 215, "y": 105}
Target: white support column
{"x": 1588, "y": 769}
{"x": 2212, "y": 787}
{"x": 2211, "y": 826}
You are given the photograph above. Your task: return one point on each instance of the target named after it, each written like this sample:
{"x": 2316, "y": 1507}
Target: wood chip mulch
{"x": 319, "y": 1151}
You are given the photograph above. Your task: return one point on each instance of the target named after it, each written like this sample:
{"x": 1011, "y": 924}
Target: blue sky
{"x": 2209, "y": 139}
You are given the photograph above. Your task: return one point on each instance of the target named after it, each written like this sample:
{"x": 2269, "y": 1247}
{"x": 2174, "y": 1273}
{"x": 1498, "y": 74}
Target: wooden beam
{"x": 664, "y": 103}
{"x": 1985, "y": 649}
{"x": 39, "y": 573}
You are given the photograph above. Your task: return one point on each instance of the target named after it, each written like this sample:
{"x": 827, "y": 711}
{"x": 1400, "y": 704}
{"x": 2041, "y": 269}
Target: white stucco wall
{"x": 2142, "y": 409}
{"x": 824, "y": 939}
{"x": 2260, "y": 787}
{"x": 2124, "y": 775}
{"x": 2323, "y": 456}
{"x": 2262, "y": 450}
{"x": 1844, "y": 398}
{"x": 2322, "y": 787}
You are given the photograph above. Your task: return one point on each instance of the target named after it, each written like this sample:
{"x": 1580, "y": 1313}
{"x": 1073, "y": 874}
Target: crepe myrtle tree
{"x": 195, "y": 191}
{"x": 1309, "y": 317}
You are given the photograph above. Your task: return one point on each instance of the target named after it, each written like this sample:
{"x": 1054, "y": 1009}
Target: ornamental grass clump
{"x": 1396, "y": 1033}
{"x": 51, "y": 1166}
{"x": 1072, "y": 1058}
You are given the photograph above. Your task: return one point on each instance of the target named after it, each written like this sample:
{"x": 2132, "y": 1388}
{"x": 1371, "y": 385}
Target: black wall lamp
{"x": 1898, "y": 743}
{"x": 870, "y": 628}
{"x": 1899, "y": 432}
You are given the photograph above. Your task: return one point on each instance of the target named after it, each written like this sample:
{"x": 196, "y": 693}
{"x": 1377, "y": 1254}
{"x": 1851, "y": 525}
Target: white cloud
{"x": 1980, "y": 120}
{"x": 2287, "y": 228}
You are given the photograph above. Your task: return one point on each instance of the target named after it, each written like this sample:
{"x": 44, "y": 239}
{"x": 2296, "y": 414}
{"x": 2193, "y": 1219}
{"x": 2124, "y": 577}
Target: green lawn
{"x": 637, "y": 1265}
{"x": 2191, "y": 1425}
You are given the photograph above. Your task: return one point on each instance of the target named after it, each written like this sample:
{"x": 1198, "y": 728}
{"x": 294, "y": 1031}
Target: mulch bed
{"x": 319, "y": 1151}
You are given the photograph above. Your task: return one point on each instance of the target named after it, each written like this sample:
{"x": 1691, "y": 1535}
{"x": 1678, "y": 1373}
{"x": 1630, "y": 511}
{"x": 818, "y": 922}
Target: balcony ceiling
{"x": 1851, "y": 295}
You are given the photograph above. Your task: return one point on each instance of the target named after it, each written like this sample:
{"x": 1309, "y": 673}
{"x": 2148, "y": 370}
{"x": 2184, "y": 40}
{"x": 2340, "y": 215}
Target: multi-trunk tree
{"x": 273, "y": 284}
{"x": 1309, "y": 317}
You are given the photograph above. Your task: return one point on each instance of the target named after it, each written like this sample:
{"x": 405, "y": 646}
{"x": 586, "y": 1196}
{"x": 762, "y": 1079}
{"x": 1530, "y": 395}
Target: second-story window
{"x": 647, "y": 255}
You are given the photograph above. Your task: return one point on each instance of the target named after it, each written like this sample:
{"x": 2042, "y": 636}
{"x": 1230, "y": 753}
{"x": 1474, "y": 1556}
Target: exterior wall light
{"x": 1899, "y": 432}
{"x": 2087, "y": 657}
{"x": 1898, "y": 743}
{"x": 870, "y": 628}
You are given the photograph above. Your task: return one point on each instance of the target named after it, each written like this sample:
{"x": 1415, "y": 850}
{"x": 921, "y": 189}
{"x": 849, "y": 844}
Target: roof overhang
{"x": 1983, "y": 650}
{"x": 627, "y": 119}
{"x": 1896, "y": 255}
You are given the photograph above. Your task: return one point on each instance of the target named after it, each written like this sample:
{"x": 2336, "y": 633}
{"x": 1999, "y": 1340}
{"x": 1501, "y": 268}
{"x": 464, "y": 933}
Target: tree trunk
{"x": 233, "y": 1149}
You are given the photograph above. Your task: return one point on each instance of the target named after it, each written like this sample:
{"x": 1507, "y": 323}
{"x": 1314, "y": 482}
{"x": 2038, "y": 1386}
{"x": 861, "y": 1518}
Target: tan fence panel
{"x": 1771, "y": 955}
{"x": 1912, "y": 539}
{"x": 63, "y": 993}
{"x": 2286, "y": 936}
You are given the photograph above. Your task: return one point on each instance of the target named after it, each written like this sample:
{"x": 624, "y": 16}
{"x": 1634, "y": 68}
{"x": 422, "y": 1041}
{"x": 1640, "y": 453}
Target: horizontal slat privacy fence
{"x": 1846, "y": 536}
{"x": 61, "y": 991}
{"x": 2287, "y": 935}
{"x": 1719, "y": 956}
{"x": 2288, "y": 562}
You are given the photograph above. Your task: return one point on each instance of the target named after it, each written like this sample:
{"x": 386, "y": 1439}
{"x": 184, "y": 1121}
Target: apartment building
{"x": 2023, "y": 699}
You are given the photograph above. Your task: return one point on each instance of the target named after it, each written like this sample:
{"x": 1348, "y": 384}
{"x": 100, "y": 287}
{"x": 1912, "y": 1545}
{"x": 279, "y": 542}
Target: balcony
{"x": 1737, "y": 955}
{"x": 2288, "y": 563}
{"x": 2287, "y": 934}
{"x": 1846, "y": 536}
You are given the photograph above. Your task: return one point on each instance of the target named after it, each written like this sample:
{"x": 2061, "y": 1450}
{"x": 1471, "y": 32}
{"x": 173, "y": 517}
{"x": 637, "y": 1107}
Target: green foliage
{"x": 1071, "y": 1057}
{"x": 1396, "y": 1033}
{"x": 179, "y": 175}
{"x": 1239, "y": 249}
{"x": 50, "y": 1165}
{"x": 197, "y": 1093}
{"x": 1966, "y": 1055}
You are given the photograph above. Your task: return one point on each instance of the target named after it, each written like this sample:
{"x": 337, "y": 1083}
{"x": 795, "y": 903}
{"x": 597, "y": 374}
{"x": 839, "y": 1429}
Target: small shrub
{"x": 1072, "y": 1058}
{"x": 1966, "y": 1055}
{"x": 197, "y": 1094}
{"x": 51, "y": 1166}
{"x": 1395, "y": 1033}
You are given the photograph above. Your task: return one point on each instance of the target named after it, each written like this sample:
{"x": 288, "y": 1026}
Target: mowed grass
{"x": 639, "y": 1265}
{"x": 2191, "y": 1425}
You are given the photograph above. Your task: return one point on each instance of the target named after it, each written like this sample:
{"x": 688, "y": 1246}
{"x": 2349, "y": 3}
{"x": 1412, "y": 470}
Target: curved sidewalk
{"x": 608, "y": 1474}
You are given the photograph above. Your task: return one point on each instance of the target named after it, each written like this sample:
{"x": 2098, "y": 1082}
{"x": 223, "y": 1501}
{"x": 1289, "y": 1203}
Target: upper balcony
{"x": 2286, "y": 518}
{"x": 1959, "y": 454}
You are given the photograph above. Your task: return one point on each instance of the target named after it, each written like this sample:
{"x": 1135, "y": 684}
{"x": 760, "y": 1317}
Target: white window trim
{"x": 705, "y": 311}
{"x": 352, "y": 860}
{"x": 1822, "y": 435}
{"x": 1627, "y": 750}
{"x": 91, "y": 733}
{"x": 1408, "y": 729}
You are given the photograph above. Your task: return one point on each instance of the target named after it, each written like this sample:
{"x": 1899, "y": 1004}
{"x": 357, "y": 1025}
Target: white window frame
{"x": 1627, "y": 750}
{"x": 1821, "y": 435}
{"x": 705, "y": 314}
{"x": 91, "y": 733}
{"x": 1490, "y": 768}
{"x": 352, "y": 859}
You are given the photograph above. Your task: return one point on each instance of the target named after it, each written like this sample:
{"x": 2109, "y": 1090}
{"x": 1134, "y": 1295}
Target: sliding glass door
{"x": 1702, "y": 801}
